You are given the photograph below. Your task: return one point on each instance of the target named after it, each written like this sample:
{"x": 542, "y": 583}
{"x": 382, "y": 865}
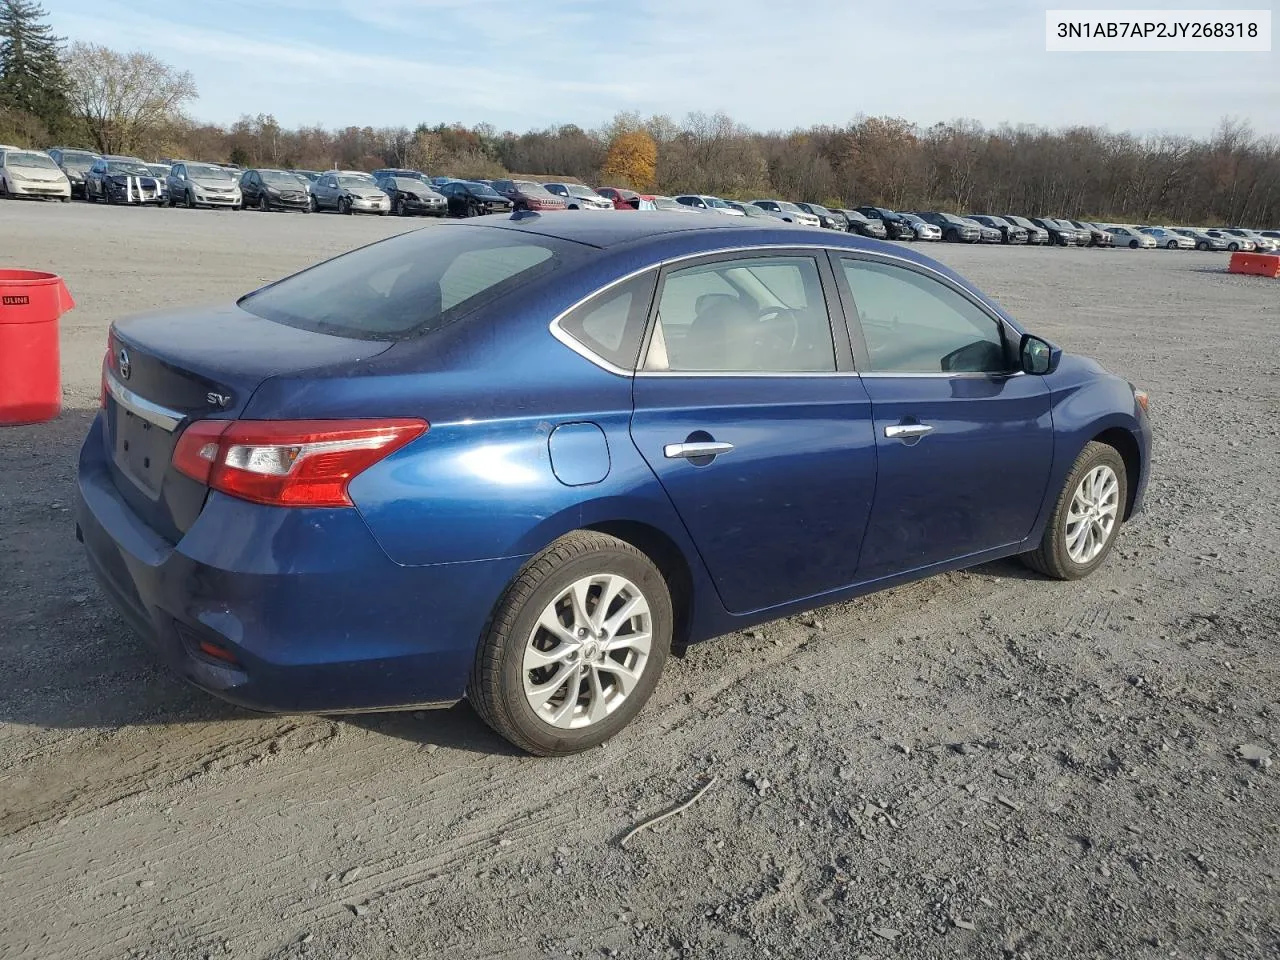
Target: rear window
{"x": 410, "y": 284}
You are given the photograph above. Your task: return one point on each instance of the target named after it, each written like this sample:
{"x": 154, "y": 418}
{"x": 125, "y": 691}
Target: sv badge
{"x": 217, "y": 399}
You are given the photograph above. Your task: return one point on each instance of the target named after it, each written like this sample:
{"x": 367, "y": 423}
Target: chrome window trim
{"x": 162, "y": 417}
{"x": 587, "y": 354}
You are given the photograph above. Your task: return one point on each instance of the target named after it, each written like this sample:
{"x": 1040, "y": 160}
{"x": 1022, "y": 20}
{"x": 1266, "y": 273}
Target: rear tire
{"x": 610, "y": 666}
{"x": 1078, "y": 537}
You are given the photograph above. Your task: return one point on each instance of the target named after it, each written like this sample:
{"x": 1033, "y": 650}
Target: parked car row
{"x": 64, "y": 172}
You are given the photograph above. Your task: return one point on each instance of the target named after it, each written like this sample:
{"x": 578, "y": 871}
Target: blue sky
{"x": 773, "y": 64}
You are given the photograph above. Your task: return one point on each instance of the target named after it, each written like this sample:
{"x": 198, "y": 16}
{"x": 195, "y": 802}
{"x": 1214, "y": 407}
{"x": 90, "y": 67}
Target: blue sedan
{"x": 518, "y": 460}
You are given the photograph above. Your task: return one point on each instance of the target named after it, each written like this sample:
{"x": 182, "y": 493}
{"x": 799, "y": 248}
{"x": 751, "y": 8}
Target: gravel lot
{"x": 983, "y": 764}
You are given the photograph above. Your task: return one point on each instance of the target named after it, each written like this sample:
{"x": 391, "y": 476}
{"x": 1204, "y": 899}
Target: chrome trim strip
{"x": 162, "y": 417}
{"x": 587, "y": 354}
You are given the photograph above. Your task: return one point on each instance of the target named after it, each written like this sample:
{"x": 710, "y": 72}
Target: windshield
{"x": 529, "y": 188}
{"x": 483, "y": 190}
{"x": 717, "y": 202}
{"x": 78, "y": 159}
{"x": 819, "y": 210}
{"x": 206, "y": 171}
{"x": 666, "y": 203}
{"x": 910, "y": 218}
{"x": 356, "y": 183}
{"x": 409, "y": 184}
{"x": 789, "y": 207}
{"x": 132, "y": 168}
{"x": 41, "y": 161}
{"x": 278, "y": 178}
{"x": 578, "y": 190}
{"x": 411, "y": 284}
{"x": 158, "y": 169}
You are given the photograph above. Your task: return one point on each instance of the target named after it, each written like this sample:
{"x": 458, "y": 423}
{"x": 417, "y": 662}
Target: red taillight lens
{"x": 288, "y": 463}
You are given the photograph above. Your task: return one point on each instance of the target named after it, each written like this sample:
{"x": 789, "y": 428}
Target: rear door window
{"x": 410, "y": 284}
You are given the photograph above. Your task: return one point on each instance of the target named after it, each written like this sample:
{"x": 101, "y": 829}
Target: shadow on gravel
{"x": 1007, "y": 569}
{"x": 457, "y": 727}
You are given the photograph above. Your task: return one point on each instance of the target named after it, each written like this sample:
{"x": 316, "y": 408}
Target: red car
{"x": 527, "y": 195}
{"x": 622, "y": 199}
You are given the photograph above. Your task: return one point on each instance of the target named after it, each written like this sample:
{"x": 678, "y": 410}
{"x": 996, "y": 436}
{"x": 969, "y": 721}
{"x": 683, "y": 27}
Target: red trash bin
{"x": 30, "y": 380}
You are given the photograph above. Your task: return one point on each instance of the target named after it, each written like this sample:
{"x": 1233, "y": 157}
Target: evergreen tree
{"x": 31, "y": 75}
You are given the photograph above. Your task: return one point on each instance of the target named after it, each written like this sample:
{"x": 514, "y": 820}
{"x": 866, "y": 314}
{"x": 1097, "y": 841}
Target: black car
{"x": 75, "y": 164}
{"x": 470, "y": 198}
{"x": 266, "y": 189}
{"x": 895, "y": 226}
{"x": 864, "y": 225}
{"x": 954, "y": 229}
{"x": 1010, "y": 233}
{"x": 410, "y": 196}
{"x": 124, "y": 180}
{"x": 828, "y": 218}
{"x": 1059, "y": 232}
{"x": 1097, "y": 237}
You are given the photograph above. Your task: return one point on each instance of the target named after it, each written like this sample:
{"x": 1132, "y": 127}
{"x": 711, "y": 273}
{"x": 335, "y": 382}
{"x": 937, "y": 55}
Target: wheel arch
{"x": 1124, "y": 443}
{"x": 671, "y": 563}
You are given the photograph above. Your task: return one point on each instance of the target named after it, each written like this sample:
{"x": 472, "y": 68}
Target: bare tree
{"x": 122, "y": 98}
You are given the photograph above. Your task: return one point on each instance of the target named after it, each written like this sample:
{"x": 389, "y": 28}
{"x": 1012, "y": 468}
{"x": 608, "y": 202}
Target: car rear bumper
{"x": 315, "y": 615}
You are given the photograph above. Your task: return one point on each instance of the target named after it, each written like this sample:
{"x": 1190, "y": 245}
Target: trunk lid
{"x": 163, "y": 371}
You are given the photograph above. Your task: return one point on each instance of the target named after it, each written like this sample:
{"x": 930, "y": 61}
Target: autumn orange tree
{"x": 632, "y": 160}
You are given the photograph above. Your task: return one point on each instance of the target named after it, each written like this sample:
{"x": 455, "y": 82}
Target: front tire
{"x": 1171, "y": 245}
{"x": 953, "y": 236}
{"x": 575, "y": 646}
{"x": 1202, "y": 245}
{"x": 344, "y": 206}
{"x": 1087, "y": 517}
{"x": 264, "y": 204}
{"x": 1233, "y": 247}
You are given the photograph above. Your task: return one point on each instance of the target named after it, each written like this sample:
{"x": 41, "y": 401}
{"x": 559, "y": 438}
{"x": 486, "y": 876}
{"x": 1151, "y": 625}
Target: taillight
{"x": 288, "y": 463}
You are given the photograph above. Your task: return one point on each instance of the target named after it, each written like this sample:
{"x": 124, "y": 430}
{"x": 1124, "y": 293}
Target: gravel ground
{"x": 982, "y": 764}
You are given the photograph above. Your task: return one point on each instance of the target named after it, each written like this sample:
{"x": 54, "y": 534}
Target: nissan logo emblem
{"x": 125, "y": 367}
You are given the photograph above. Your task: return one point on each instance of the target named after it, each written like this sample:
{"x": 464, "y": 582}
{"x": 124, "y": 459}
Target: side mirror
{"x": 1039, "y": 357}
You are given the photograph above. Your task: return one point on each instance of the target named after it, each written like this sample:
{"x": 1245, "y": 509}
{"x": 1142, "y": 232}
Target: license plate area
{"x": 141, "y": 450}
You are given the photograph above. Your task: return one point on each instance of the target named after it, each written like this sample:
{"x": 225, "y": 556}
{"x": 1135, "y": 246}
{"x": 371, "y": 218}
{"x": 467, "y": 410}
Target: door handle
{"x": 690, "y": 451}
{"x": 907, "y": 431}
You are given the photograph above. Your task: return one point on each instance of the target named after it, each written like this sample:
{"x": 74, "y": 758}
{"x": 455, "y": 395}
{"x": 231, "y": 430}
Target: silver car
{"x": 1201, "y": 239}
{"x": 788, "y": 211}
{"x": 348, "y": 192}
{"x": 579, "y": 196}
{"x": 1261, "y": 244}
{"x": 1233, "y": 240}
{"x": 193, "y": 185}
{"x": 1168, "y": 239}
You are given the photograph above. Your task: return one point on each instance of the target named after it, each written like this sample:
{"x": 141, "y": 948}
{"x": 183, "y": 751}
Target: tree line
{"x": 88, "y": 95}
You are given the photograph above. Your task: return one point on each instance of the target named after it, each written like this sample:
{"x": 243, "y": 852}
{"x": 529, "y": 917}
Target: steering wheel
{"x": 777, "y": 313}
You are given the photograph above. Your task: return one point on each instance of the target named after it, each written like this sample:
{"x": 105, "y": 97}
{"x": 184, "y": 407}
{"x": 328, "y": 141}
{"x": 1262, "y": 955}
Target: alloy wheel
{"x": 587, "y": 651}
{"x": 1095, "y": 505}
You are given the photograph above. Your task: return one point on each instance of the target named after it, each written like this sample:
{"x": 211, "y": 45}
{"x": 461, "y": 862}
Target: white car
{"x": 579, "y": 196}
{"x": 931, "y": 231}
{"x": 701, "y": 201}
{"x": 1261, "y": 244}
{"x": 1166, "y": 238}
{"x": 788, "y": 211}
{"x": 26, "y": 173}
{"x": 1131, "y": 237}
